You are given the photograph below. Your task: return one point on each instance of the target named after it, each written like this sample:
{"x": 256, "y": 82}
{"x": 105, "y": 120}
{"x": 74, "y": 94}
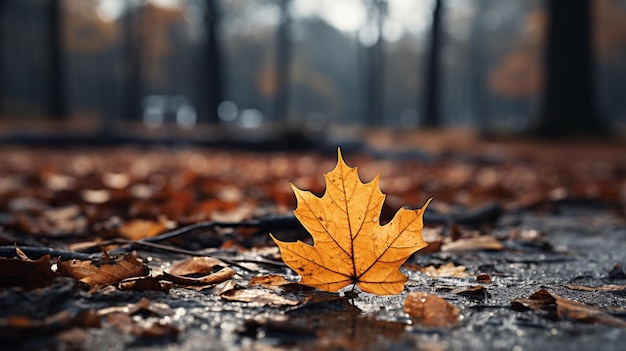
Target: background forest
{"x": 131, "y": 68}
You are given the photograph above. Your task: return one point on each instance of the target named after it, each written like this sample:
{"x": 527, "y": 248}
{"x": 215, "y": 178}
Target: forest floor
{"x": 160, "y": 247}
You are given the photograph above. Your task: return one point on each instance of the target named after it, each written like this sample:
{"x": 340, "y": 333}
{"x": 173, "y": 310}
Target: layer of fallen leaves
{"x": 83, "y": 199}
{"x": 126, "y": 272}
{"x": 131, "y": 193}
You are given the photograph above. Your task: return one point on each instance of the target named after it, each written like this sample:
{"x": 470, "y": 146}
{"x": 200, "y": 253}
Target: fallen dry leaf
{"x": 565, "y": 309}
{"x": 143, "y": 305}
{"x": 446, "y": 270}
{"x": 268, "y": 281}
{"x": 195, "y": 265}
{"x": 141, "y": 228}
{"x": 123, "y": 319}
{"x": 146, "y": 284}
{"x": 60, "y": 320}
{"x": 430, "y": 310}
{"x": 475, "y": 292}
{"x": 143, "y": 329}
{"x": 76, "y": 269}
{"x": 24, "y": 272}
{"x": 484, "y": 242}
{"x": 617, "y": 272}
{"x": 350, "y": 245}
{"x": 483, "y": 278}
{"x": 105, "y": 274}
{"x": 530, "y": 237}
{"x": 278, "y": 282}
{"x": 210, "y": 279}
{"x": 259, "y": 297}
{"x": 610, "y": 288}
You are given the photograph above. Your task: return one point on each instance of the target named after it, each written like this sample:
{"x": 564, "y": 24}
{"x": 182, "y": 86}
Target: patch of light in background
{"x": 392, "y": 30}
{"x": 186, "y": 116}
{"x": 263, "y": 14}
{"x": 304, "y": 8}
{"x": 194, "y": 17}
{"x": 170, "y": 4}
{"x": 248, "y": 18}
{"x": 459, "y": 16}
{"x": 404, "y": 16}
{"x": 345, "y": 15}
{"x": 194, "y": 13}
{"x": 251, "y": 118}
{"x": 368, "y": 35}
{"x": 412, "y": 16}
{"x": 110, "y": 10}
{"x": 227, "y": 111}
{"x": 154, "y": 107}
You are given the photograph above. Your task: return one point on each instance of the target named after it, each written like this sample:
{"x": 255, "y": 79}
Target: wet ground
{"x": 583, "y": 246}
{"x": 588, "y": 244}
{"x": 572, "y": 248}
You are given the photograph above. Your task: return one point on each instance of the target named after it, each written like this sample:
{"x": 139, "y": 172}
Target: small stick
{"x": 35, "y": 252}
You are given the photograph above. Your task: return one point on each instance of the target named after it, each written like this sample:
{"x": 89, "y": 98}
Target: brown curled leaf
{"x": 195, "y": 265}
{"x": 24, "y": 272}
{"x": 259, "y": 297}
{"x": 210, "y": 279}
{"x": 430, "y": 310}
{"x": 112, "y": 273}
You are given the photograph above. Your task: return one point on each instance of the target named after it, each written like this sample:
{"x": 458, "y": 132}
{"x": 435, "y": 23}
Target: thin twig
{"x": 287, "y": 221}
{"x": 180, "y": 251}
{"x": 255, "y": 260}
{"x": 35, "y": 252}
{"x": 487, "y": 213}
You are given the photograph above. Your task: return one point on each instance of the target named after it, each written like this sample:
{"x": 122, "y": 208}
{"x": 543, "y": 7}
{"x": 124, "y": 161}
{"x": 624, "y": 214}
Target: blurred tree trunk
{"x": 478, "y": 70}
{"x": 56, "y": 93}
{"x": 1, "y": 59}
{"x": 132, "y": 56}
{"x": 431, "y": 114}
{"x": 211, "y": 65}
{"x": 283, "y": 59}
{"x": 375, "y": 69}
{"x": 568, "y": 106}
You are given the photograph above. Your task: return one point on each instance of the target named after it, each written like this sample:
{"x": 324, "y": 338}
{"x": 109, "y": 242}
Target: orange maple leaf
{"x": 350, "y": 246}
